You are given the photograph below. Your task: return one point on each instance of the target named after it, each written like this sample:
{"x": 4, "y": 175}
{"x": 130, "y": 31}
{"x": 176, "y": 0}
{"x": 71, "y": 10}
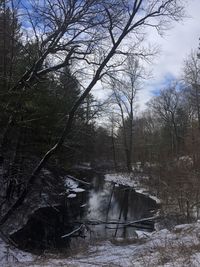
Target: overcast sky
{"x": 176, "y": 45}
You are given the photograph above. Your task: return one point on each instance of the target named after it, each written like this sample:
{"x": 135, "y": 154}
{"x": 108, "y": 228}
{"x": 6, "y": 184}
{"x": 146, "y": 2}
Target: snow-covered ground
{"x": 179, "y": 247}
{"x": 132, "y": 181}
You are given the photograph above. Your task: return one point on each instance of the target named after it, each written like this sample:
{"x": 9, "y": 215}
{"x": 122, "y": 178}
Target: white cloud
{"x": 176, "y": 45}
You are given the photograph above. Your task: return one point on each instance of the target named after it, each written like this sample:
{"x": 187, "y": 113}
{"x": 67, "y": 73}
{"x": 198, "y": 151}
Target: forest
{"x": 55, "y": 56}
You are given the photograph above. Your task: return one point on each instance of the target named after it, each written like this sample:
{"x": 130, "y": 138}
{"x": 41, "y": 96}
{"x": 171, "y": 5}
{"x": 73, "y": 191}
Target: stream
{"x": 93, "y": 210}
{"x": 108, "y": 202}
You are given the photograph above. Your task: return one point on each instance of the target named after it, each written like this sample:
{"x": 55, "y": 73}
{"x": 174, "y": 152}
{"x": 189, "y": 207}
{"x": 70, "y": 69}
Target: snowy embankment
{"x": 132, "y": 181}
{"x": 179, "y": 247}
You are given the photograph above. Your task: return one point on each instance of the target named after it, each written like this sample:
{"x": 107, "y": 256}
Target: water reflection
{"x": 60, "y": 226}
{"x": 107, "y": 202}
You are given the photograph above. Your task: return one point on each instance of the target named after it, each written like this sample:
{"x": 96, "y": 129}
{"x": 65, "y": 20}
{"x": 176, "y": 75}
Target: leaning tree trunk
{"x": 68, "y": 126}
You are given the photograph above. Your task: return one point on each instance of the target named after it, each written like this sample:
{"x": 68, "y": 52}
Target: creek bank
{"x": 159, "y": 248}
{"x": 133, "y": 180}
{"x": 178, "y": 247}
{"x": 40, "y": 221}
{"x": 78, "y": 207}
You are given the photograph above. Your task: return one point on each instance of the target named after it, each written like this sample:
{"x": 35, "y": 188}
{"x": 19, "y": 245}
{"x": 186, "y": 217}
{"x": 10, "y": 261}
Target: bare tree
{"x": 124, "y": 93}
{"x": 167, "y": 107}
{"x": 87, "y": 33}
{"x": 192, "y": 81}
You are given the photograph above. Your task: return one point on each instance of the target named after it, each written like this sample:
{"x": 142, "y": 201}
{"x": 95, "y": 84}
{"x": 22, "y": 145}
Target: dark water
{"x": 101, "y": 203}
{"x": 106, "y": 202}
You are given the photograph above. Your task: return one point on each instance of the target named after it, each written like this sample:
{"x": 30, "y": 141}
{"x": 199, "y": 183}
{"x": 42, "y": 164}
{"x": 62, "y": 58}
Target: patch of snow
{"x": 181, "y": 227}
{"x": 131, "y": 181}
{"x": 137, "y": 166}
{"x": 78, "y": 190}
{"x": 120, "y": 179}
{"x": 70, "y": 183}
{"x": 157, "y": 200}
{"x": 146, "y": 193}
{"x": 142, "y": 234}
{"x": 185, "y": 162}
{"x": 12, "y": 256}
{"x": 162, "y": 248}
{"x": 46, "y": 172}
{"x": 195, "y": 260}
{"x": 83, "y": 166}
{"x": 71, "y": 196}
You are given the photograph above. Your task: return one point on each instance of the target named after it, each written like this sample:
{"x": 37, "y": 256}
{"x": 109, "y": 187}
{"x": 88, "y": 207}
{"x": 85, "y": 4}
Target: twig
{"x": 78, "y": 180}
{"x": 96, "y": 222}
{"x": 73, "y": 232}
